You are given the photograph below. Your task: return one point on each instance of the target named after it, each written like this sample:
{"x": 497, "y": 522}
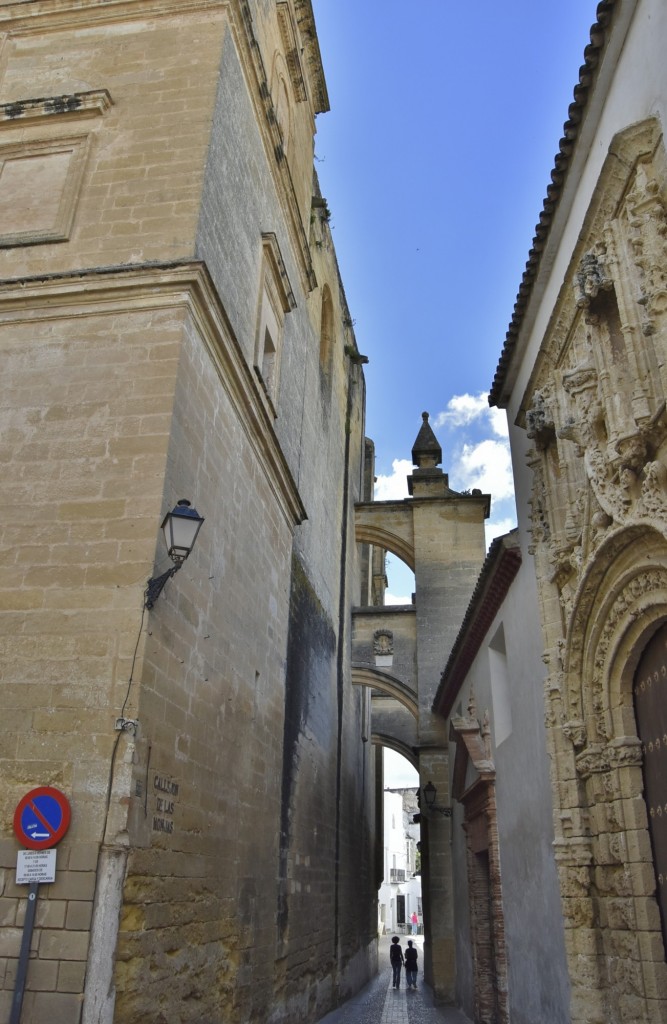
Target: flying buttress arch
{"x": 387, "y": 526}
{"x": 388, "y": 684}
{"x": 380, "y": 739}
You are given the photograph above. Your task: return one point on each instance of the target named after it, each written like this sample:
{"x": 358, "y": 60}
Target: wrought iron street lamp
{"x": 430, "y": 794}
{"x": 180, "y": 527}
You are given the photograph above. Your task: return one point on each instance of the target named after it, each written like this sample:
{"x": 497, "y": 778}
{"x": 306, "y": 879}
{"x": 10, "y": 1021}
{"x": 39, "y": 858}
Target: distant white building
{"x": 400, "y": 894}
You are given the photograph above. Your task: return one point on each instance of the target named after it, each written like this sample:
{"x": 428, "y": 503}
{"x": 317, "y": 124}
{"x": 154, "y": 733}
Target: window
{"x": 276, "y": 299}
{"x": 326, "y": 332}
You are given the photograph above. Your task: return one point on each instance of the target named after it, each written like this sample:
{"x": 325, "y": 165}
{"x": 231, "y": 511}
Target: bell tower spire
{"x": 427, "y": 480}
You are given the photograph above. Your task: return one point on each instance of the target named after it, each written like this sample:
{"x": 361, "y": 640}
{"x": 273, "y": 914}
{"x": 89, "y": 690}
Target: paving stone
{"x": 380, "y": 1003}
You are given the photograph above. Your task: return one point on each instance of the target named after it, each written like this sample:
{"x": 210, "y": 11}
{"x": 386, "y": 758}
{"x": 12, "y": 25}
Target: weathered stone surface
{"x": 220, "y": 859}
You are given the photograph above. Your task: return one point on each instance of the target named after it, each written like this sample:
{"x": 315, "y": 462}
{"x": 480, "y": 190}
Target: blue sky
{"x": 434, "y": 159}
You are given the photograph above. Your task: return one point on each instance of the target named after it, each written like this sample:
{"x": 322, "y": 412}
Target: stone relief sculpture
{"x": 383, "y": 642}
{"x": 592, "y": 277}
{"x": 648, "y": 221}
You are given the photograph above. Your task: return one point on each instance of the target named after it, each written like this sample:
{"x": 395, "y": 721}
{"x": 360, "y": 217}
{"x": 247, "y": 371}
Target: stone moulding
{"x": 391, "y": 686}
{"x": 78, "y": 104}
{"x": 388, "y": 525}
{"x": 288, "y": 35}
{"x": 185, "y": 285}
{"x": 45, "y": 14}
{"x": 622, "y": 598}
{"x": 50, "y": 217}
{"x": 604, "y": 622}
{"x": 41, "y": 179}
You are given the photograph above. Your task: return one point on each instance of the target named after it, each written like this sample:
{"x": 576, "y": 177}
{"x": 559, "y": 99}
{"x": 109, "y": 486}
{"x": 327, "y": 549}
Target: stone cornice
{"x": 607, "y": 17}
{"x": 41, "y": 15}
{"x": 78, "y": 104}
{"x": 500, "y": 567}
{"x": 182, "y": 284}
{"x": 313, "y": 58}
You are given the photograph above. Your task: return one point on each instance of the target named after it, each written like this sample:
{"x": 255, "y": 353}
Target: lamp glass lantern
{"x": 180, "y": 528}
{"x": 430, "y": 793}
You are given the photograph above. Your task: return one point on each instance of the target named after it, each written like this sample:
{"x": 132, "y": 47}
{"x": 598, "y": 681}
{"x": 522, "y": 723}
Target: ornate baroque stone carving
{"x": 575, "y": 730}
{"x": 625, "y": 483}
{"x": 383, "y": 642}
{"x": 648, "y": 221}
{"x": 591, "y": 277}
{"x": 594, "y": 759}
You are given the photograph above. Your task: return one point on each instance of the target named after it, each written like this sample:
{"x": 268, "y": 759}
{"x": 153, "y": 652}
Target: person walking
{"x": 411, "y": 965}
{"x": 414, "y": 921}
{"x": 396, "y": 958}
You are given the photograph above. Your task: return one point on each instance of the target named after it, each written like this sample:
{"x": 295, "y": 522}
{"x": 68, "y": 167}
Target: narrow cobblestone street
{"x": 380, "y": 1003}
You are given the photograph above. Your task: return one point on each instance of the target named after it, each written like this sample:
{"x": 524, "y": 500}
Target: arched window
{"x": 326, "y": 331}
{"x": 280, "y": 96}
{"x": 276, "y": 299}
{"x": 283, "y": 113}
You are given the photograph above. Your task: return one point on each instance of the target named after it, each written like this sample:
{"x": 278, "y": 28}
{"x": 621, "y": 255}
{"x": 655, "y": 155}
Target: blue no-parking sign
{"x": 42, "y": 818}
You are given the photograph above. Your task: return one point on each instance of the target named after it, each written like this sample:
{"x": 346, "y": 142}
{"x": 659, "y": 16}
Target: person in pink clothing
{"x": 414, "y": 921}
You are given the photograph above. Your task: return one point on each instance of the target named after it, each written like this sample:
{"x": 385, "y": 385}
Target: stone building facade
{"x": 172, "y": 325}
{"x": 582, "y": 376}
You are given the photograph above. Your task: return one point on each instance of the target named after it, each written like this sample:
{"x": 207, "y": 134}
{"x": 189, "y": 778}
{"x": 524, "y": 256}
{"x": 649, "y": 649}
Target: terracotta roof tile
{"x": 599, "y": 34}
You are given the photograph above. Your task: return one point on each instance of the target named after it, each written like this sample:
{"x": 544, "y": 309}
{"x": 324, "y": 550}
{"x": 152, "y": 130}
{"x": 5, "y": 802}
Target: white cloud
{"x": 498, "y": 420}
{"x": 396, "y": 598}
{"x": 486, "y": 465}
{"x": 464, "y": 410}
{"x": 497, "y": 529}
{"x": 395, "y": 486}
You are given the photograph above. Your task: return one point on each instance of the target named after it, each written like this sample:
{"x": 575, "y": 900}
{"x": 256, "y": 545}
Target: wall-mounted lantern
{"x": 430, "y": 793}
{"x": 180, "y": 527}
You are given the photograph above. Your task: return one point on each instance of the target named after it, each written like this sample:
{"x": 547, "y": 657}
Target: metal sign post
{"x": 41, "y": 819}
{"x": 22, "y": 971}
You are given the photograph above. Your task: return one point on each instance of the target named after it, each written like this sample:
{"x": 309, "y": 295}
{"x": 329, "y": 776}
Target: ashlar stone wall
{"x": 220, "y": 861}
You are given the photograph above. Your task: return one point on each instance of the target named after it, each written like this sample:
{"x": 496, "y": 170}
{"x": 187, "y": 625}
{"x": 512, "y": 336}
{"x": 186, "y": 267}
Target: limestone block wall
{"x": 449, "y": 549}
{"x": 400, "y": 624}
{"x": 197, "y": 926}
{"x": 86, "y": 417}
{"x": 219, "y": 863}
{"x": 133, "y": 195}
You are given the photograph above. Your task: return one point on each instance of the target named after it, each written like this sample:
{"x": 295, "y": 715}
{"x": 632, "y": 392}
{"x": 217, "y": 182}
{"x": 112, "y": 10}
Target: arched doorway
{"x": 650, "y": 700}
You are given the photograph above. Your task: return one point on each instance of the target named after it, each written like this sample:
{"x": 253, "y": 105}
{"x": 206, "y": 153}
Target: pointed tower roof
{"x": 427, "y": 480}
{"x": 426, "y": 452}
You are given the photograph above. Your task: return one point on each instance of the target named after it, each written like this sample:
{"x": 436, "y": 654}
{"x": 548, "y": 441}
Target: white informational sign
{"x": 35, "y": 866}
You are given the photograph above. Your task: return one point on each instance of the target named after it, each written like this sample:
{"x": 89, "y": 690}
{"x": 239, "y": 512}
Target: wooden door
{"x": 650, "y": 694}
